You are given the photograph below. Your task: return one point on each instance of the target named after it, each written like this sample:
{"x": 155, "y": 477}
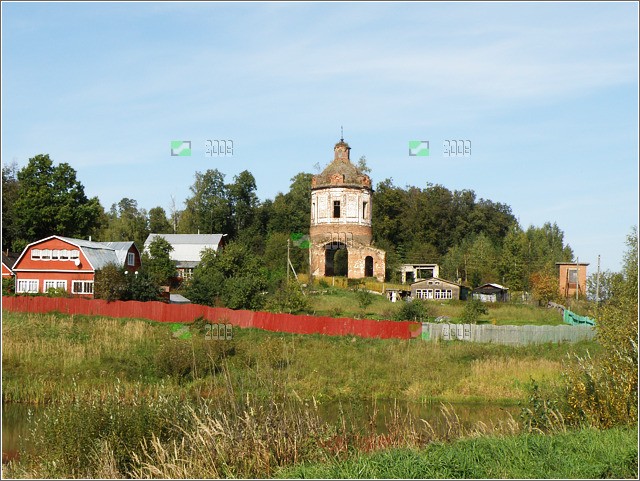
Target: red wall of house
{"x": 25, "y": 261}
{"x": 138, "y": 261}
{"x": 6, "y": 272}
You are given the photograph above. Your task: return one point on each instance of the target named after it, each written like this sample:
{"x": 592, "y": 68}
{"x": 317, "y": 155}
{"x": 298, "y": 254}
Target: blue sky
{"x": 547, "y": 94}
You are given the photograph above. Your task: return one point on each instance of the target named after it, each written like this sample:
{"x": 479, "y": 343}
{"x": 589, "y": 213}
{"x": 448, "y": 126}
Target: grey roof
{"x": 178, "y": 299}
{"x": 422, "y": 281}
{"x": 188, "y": 247}
{"x": 173, "y": 239}
{"x": 10, "y": 260}
{"x": 187, "y": 264}
{"x": 99, "y": 254}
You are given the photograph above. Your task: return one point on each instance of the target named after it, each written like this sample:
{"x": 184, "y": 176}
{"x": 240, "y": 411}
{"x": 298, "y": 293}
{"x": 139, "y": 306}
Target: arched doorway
{"x": 368, "y": 266}
{"x": 336, "y": 259}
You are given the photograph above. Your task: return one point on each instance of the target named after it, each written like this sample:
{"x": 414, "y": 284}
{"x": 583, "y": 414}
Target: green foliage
{"x": 208, "y": 210}
{"x": 602, "y": 391}
{"x": 110, "y": 283}
{"x": 365, "y": 298}
{"x": 473, "y": 309}
{"x": 141, "y": 287}
{"x": 8, "y": 286}
{"x": 126, "y": 222}
{"x": 288, "y": 298}
{"x": 49, "y": 200}
{"x": 57, "y": 292}
{"x": 186, "y": 360}
{"x": 232, "y": 278}
{"x": 416, "y": 310}
{"x": 158, "y": 222}
{"x": 157, "y": 262}
{"x": 544, "y": 286}
{"x": 10, "y": 186}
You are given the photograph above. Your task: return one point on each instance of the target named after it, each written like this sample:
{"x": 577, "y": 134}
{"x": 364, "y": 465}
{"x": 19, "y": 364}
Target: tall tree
{"x": 157, "y": 261}
{"x": 50, "y": 200}
{"x": 158, "y": 222}
{"x": 244, "y": 201}
{"x": 208, "y": 210}
{"x": 126, "y": 223}
{"x": 9, "y": 195}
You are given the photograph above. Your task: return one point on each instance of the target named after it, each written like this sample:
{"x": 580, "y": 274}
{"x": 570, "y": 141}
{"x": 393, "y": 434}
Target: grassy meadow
{"x": 125, "y": 398}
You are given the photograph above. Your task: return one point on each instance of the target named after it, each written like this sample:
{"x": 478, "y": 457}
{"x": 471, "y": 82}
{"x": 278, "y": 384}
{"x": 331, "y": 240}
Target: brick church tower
{"x": 341, "y": 219}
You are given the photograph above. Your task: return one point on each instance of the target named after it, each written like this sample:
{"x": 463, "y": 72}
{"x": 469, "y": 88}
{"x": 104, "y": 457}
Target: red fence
{"x": 162, "y": 312}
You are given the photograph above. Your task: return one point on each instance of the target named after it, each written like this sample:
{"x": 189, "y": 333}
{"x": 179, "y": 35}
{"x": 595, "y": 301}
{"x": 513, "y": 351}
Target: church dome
{"x": 341, "y": 172}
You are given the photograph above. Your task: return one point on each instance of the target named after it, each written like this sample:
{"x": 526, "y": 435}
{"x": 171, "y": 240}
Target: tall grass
{"x": 586, "y": 454}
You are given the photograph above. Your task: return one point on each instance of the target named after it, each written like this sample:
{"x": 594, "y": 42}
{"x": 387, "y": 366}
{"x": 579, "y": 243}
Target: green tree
{"x": 244, "y": 201}
{"x": 544, "y": 286}
{"x": 141, "y": 287}
{"x": 512, "y": 264}
{"x": 50, "y": 200}
{"x": 232, "y": 278}
{"x": 158, "y": 222}
{"x": 157, "y": 261}
{"x": 208, "y": 210}
{"x": 126, "y": 223}
{"x": 110, "y": 283}
{"x": 10, "y": 186}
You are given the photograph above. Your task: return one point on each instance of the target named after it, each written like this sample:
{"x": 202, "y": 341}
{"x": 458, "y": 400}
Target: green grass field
{"x": 586, "y": 454}
{"x": 344, "y": 302}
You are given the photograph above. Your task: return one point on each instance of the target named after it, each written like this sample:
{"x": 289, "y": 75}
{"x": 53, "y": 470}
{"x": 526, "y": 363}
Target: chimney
{"x": 89, "y": 238}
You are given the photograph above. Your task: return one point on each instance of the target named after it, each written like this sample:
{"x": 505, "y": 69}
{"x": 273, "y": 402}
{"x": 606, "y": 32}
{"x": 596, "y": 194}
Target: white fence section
{"x": 514, "y": 335}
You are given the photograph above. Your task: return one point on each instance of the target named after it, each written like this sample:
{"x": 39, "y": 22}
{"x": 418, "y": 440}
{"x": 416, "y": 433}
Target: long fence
{"x": 514, "y": 335}
{"x": 185, "y": 313}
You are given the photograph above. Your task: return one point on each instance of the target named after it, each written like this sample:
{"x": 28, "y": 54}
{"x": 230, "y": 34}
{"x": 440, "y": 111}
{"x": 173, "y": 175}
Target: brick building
{"x": 572, "y": 276}
{"x": 341, "y": 219}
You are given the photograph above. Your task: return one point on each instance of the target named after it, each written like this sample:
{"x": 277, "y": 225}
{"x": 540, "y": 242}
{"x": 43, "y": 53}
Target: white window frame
{"x": 131, "y": 259}
{"x": 45, "y": 254}
{"x": 74, "y": 254}
{"x": 84, "y": 289}
{"x": 30, "y": 283}
{"x": 56, "y": 284}
{"x": 64, "y": 255}
{"x": 55, "y": 255}
{"x": 36, "y": 254}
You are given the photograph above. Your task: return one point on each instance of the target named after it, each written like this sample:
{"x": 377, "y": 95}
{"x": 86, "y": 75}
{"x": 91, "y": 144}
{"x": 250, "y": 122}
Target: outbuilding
{"x": 491, "y": 293}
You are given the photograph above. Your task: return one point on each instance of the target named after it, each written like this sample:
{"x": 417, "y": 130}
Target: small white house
{"x": 187, "y": 249}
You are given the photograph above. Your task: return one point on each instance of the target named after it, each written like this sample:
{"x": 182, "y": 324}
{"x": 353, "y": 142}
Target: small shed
{"x": 491, "y": 293}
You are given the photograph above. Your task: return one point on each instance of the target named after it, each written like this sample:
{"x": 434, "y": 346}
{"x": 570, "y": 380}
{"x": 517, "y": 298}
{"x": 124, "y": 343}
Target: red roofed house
{"x": 71, "y": 264}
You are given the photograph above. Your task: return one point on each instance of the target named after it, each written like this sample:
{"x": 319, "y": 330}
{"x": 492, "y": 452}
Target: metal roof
{"x": 213, "y": 239}
{"x": 99, "y": 254}
{"x": 188, "y": 247}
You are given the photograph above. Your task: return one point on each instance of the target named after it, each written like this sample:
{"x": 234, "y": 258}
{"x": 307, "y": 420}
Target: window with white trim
{"x": 27, "y": 285}
{"x": 55, "y": 254}
{"x": 74, "y": 254}
{"x": 424, "y": 293}
{"x": 131, "y": 259}
{"x": 82, "y": 287}
{"x": 64, "y": 255}
{"x": 54, "y": 285}
{"x": 46, "y": 254}
{"x": 36, "y": 254}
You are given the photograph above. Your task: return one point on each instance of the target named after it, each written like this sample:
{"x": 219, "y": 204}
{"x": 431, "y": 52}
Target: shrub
{"x": 416, "y": 310}
{"x": 473, "y": 309}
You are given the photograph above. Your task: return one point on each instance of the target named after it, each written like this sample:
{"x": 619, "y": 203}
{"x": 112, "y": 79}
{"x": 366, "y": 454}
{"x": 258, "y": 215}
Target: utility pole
{"x": 577, "y": 277}
{"x": 598, "y": 282}
{"x": 288, "y": 260}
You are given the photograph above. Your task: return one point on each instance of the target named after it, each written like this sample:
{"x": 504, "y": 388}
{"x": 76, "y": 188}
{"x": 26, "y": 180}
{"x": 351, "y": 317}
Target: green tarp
{"x": 576, "y": 320}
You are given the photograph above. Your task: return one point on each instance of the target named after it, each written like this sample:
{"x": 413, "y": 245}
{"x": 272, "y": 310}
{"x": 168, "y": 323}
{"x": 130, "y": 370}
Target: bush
{"x": 8, "y": 286}
{"x": 473, "y": 309}
{"x": 416, "y": 310}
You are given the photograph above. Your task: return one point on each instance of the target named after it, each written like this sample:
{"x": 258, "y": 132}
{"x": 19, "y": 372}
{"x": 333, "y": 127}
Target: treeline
{"x": 473, "y": 240}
